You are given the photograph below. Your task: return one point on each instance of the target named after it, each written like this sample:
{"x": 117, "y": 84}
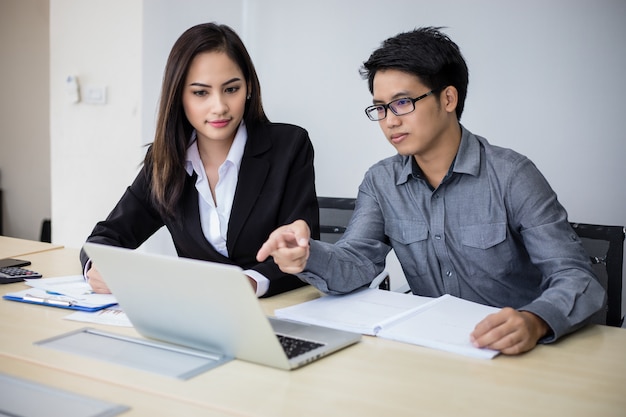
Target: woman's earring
{"x": 248, "y": 98}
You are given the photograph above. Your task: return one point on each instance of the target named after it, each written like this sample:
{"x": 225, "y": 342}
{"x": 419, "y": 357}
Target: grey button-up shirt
{"x": 492, "y": 232}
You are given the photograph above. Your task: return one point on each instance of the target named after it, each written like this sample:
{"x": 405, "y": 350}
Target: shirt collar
{"x": 468, "y": 155}
{"x": 235, "y": 154}
{"x": 466, "y": 161}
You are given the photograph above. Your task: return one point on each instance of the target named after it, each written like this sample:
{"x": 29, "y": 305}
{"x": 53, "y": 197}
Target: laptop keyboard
{"x": 294, "y": 347}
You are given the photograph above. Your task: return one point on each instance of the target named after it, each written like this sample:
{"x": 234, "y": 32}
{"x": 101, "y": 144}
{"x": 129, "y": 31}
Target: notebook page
{"x": 445, "y": 324}
{"x": 363, "y": 311}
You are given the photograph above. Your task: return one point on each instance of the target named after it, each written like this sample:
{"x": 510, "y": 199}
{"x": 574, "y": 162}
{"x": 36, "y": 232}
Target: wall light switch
{"x": 95, "y": 94}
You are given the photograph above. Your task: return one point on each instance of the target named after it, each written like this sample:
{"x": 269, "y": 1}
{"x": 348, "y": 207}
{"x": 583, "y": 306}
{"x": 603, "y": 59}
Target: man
{"x": 464, "y": 217}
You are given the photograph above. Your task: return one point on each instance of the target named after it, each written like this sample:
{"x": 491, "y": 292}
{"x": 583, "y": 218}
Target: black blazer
{"x": 276, "y": 186}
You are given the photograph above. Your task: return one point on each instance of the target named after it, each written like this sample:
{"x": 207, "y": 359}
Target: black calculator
{"x": 9, "y": 274}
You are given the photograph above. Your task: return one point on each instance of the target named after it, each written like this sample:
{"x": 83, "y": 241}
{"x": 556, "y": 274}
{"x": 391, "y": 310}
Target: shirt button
{"x": 438, "y": 237}
{"x": 449, "y": 273}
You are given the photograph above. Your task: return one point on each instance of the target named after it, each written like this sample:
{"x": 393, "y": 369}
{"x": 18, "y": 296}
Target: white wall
{"x": 95, "y": 149}
{"x": 545, "y": 79}
{"x": 24, "y": 117}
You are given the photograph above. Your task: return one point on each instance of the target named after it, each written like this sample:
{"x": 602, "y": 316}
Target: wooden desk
{"x": 581, "y": 375}
{"x": 11, "y": 247}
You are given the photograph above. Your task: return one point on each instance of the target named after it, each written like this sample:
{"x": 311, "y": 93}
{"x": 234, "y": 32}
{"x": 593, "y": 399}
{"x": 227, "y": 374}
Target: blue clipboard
{"x": 46, "y": 298}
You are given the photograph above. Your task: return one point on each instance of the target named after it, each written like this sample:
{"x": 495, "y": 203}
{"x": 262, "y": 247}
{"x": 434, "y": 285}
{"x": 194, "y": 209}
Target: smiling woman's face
{"x": 214, "y": 96}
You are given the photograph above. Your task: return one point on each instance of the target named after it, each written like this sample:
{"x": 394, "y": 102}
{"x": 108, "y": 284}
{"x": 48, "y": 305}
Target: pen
{"x": 49, "y": 300}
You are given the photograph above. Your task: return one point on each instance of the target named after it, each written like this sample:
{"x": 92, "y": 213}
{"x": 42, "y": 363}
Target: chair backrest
{"x": 605, "y": 246}
{"x": 335, "y": 214}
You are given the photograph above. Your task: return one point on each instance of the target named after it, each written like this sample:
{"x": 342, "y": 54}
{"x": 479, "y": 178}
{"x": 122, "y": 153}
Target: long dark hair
{"x": 166, "y": 158}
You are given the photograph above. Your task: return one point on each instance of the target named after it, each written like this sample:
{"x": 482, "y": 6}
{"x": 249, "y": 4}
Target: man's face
{"x": 416, "y": 133}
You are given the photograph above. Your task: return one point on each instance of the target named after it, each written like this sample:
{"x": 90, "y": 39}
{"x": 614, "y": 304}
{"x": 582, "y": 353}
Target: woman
{"x": 218, "y": 175}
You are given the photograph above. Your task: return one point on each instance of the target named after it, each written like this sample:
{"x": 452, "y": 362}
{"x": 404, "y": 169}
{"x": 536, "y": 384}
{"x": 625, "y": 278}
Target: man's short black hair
{"x": 426, "y": 53}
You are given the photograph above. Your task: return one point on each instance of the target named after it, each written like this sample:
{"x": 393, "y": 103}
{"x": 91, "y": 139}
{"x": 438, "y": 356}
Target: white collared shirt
{"x": 214, "y": 215}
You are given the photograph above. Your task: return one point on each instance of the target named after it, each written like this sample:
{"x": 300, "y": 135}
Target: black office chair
{"x": 335, "y": 214}
{"x": 605, "y": 246}
{"x": 46, "y": 231}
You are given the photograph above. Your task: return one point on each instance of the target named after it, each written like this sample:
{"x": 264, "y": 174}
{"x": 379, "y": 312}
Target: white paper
{"x": 73, "y": 287}
{"x": 443, "y": 323}
{"x": 363, "y": 311}
{"x": 112, "y": 316}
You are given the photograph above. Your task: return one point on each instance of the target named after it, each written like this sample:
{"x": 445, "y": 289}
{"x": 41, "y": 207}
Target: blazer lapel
{"x": 191, "y": 218}
{"x": 252, "y": 175}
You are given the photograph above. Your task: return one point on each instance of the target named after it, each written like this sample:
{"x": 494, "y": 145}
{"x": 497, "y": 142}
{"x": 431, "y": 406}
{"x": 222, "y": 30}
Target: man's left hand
{"x": 509, "y": 331}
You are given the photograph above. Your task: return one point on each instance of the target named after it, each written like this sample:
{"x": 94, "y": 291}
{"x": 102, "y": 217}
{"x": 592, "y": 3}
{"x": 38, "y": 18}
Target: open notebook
{"x": 443, "y": 323}
{"x": 208, "y": 306}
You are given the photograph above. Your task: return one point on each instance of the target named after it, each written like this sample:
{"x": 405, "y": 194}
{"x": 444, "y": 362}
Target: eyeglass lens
{"x": 398, "y": 107}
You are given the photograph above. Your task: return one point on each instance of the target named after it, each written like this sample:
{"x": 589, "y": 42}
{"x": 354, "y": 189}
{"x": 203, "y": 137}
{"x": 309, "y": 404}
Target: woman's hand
{"x": 94, "y": 279}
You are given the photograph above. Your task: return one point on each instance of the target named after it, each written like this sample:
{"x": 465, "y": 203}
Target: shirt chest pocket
{"x": 486, "y": 249}
{"x": 409, "y": 239}
{"x": 406, "y": 231}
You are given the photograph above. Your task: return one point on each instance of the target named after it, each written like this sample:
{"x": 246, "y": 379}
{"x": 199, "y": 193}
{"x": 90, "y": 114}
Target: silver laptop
{"x": 209, "y": 307}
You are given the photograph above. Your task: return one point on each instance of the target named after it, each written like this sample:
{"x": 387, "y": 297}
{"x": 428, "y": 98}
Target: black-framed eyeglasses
{"x": 398, "y": 107}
